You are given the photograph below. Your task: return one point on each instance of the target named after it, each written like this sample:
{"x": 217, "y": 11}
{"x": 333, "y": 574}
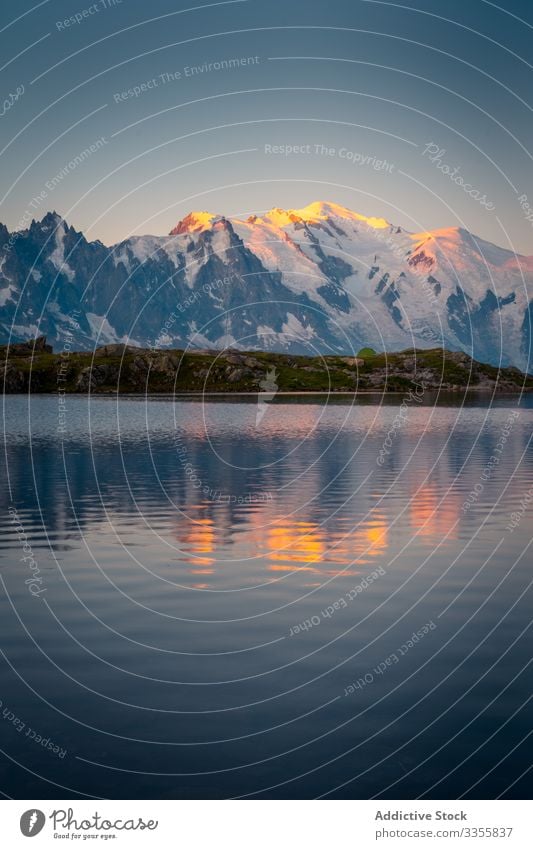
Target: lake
{"x": 306, "y": 598}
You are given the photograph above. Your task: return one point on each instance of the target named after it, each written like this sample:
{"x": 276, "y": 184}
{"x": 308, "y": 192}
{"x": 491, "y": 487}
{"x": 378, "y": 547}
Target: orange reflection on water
{"x": 428, "y": 517}
{"x": 308, "y": 543}
{"x": 300, "y": 542}
{"x": 199, "y": 540}
{"x": 290, "y": 545}
{"x": 376, "y": 535}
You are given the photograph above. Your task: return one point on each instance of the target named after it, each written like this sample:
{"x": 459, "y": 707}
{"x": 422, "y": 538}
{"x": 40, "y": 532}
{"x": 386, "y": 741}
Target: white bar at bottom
{"x": 264, "y": 824}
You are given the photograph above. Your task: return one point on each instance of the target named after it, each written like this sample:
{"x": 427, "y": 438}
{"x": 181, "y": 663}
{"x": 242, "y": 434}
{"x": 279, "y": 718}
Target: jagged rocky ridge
{"x": 322, "y": 279}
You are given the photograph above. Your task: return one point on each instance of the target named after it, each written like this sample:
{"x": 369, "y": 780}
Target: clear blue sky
{"x": 377, "y": 81}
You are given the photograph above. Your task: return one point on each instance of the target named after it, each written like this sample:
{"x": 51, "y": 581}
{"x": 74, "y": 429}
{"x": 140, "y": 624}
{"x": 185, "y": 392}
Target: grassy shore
{"x": 123, "y": 369}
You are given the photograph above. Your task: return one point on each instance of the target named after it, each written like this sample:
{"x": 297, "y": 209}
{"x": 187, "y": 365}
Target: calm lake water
{"x": 223, "y": 596}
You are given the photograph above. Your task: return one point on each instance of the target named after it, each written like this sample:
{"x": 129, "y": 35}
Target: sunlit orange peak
{"x": 280, "y": 217}
{"x": 453, "y": 234}
{"x": 321, "y": 210}
{"x": 194, "y": 222}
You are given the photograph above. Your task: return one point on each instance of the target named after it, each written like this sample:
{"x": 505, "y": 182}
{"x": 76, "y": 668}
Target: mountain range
{"x": 317, "y": 280}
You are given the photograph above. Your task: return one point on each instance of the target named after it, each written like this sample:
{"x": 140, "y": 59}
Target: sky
{"x": 124, "y": 116}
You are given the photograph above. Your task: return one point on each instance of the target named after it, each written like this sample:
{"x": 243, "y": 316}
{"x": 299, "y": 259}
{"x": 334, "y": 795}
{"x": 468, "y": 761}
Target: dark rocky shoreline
{"x": 34, "y": 367}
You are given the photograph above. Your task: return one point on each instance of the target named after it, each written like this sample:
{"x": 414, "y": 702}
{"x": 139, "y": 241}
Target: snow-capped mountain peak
{"x": 314, "y": 213}
{"x": 195, "y": 222}
{"x": 323, "y": 210}
{"x": 319, "y": 278}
